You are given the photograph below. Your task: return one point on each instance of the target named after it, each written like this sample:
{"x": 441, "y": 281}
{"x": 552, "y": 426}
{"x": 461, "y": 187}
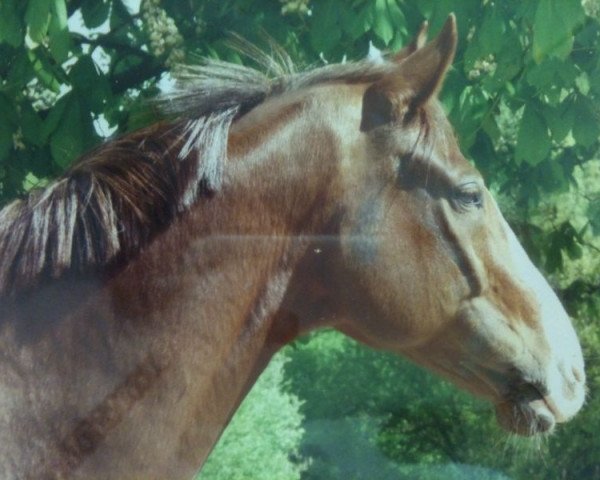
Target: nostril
{"x": 544, "y": 422}
{"x": 578, "y": 374}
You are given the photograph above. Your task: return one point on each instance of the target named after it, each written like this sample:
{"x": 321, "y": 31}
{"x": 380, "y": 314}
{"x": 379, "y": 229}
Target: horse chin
{"x": 526, "y": 417}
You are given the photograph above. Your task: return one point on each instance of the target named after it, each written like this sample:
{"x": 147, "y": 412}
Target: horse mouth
{"x": 527, "y": 411}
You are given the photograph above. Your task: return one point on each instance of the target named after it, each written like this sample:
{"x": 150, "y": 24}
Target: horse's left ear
{"x": 418, "y": 78}
{"x": 424, "y": 71}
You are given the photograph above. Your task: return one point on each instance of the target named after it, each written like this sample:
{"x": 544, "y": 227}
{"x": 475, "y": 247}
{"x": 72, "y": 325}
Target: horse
{"x": 142, "y": 293}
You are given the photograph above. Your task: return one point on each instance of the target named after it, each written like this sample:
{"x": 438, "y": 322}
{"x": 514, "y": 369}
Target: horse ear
{"x": 417, "y": 43}
{"x": 377, "y": 109}
{"x": 423, "y": 72}
{"x": 418, "y": 78}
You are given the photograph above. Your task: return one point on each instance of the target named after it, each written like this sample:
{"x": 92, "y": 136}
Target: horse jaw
{"x": 534, "y": 364}
{"x": 511, "y": 342}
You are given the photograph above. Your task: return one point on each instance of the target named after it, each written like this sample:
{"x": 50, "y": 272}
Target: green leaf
{"x": 397, "y": 18}
{"x": 38, "y": 18}
{"x": 11, "y": 25}
{"x": 552, "y": 74}
{"x": 586, "y": 128}
{"x": 54, "y": 117}
{"x": 560, "y": 119}
{"x": 120, "y": 16}
{"x": 471, "y": 55}
{"x": 554, "y": 260}
{"x": 6, "y": 132}
{"x": 60, "y": 40}
{"x": 95, "y": 12}
{"x": 583, "y": 83}
{"x": 533, "y": 141}
{"x": 356, "y": 24}
{"x": 8, "y": 125}
{"x": 472, "y": 108}
{"x": 555, "y": 21}
{"x": 550, "y": 176}
{"x": 425, "y": 7}
{"x": 570, "y": 242}
{"x": 31, "y": 125}
{"x": 31, "y": 181}
{"x": 44, "y": 69}
{"x": 509, "y": 61}
{"x": 490, "y": 127}
{"x": 464, "y": 10}
{"x": 382, "y": 25}
{"x": 325, "y": 32}
{"x": 595, "y": 80}
{"x": 542, "y": 75}
{"x": 67, "y": 143}
{"x": 85, "y": 73}
{"x": 8, "y": 108}
{"x": 593, "y": 213}
{"x": 574, "y": 250}
{"x": 491, "y": 36}
{"x": 21, "y": 71}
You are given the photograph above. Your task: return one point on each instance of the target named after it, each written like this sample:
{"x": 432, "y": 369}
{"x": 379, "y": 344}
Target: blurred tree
{"x": 374, "y": 415}
{"x": 523, "y": 97}
{"x": 244, "y": 454}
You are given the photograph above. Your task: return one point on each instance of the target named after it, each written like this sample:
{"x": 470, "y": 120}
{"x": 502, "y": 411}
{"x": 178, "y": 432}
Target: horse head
{"x": 142, "y": 293}
{"x": 430, "y": 269}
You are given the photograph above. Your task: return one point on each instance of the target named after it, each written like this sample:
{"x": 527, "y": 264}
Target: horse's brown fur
{"x": 115, "y": 199}
{"x": 189, "y": 252}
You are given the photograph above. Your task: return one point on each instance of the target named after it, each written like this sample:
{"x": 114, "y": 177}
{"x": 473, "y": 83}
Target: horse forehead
{"x": 441, "y": 130}
{"x": 443, "y": 144}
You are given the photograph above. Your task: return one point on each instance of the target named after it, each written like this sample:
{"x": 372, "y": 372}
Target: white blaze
{"x": 564, "y": 376}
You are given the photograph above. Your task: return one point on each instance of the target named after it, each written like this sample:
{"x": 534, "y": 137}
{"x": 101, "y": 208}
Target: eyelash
{"x": 469, "y": 195}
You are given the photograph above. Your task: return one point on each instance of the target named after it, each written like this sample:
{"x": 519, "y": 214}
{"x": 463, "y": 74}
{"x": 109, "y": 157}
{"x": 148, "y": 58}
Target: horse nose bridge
{"x": 559, "y": 333}
{"x": 518, "y": 303}
{"x": 544, "y": 310}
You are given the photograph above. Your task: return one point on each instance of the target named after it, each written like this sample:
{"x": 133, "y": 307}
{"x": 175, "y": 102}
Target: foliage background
{"x": 523, "y": 97}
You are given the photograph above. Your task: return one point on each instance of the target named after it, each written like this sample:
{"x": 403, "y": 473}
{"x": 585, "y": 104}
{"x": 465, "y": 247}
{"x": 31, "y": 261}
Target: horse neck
{"x": 147, "y": 369}
{"x": 233, "y": 269}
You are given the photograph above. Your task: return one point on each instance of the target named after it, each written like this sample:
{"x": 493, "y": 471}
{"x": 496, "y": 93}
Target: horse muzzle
{"x": 531, "y": 408}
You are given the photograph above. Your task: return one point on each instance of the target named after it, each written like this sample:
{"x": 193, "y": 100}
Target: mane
{"x": 115, "y": 199}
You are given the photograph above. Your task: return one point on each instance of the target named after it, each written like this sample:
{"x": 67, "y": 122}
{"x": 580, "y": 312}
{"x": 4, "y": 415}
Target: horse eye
{"x": 469, "y": 195}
